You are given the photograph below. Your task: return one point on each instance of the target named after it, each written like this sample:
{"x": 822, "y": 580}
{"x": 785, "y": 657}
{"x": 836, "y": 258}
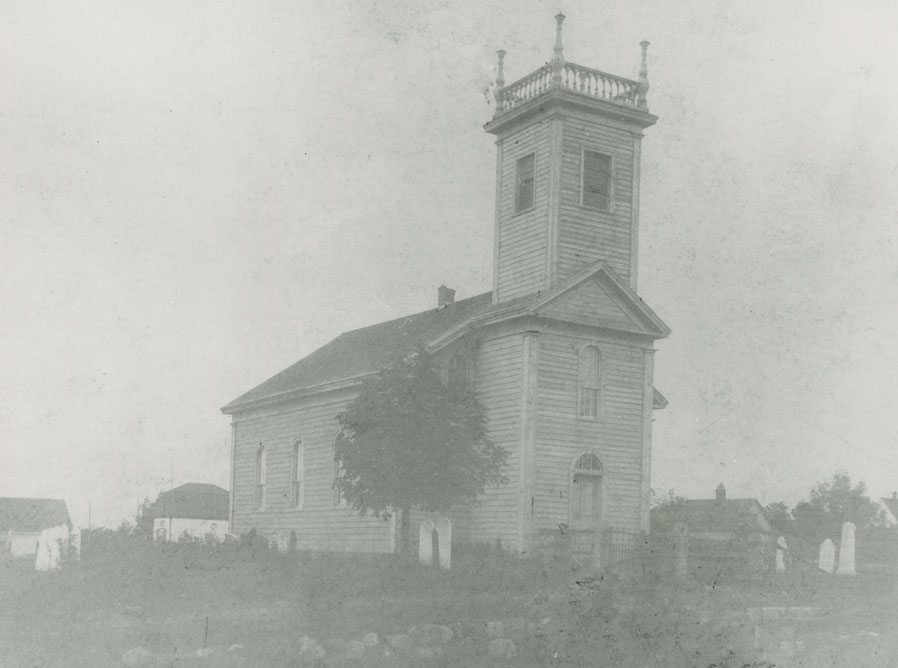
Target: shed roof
{"x": 194, "y": 500}
{"x": 31, "y": 515}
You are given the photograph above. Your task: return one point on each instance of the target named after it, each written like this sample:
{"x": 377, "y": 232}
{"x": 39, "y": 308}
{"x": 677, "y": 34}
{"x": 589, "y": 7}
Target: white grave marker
{"x": 827, "y": 560}
{"x": 425, "y": 542}
{"x": 846, "y": 551}
{"x": 444, "y": 531}
{"x": 781, "y": 548}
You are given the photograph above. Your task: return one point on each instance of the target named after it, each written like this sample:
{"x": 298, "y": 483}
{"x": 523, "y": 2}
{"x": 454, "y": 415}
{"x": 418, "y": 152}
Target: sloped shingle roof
{"x": 194, "y": 500}
{"x": 32, "y": 515}
{"x": 369, "y": 349}
{"x": 724, "y": 515}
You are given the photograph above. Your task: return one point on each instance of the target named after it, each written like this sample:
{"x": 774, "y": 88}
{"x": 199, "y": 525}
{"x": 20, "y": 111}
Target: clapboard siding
{"x": 499, "y": 372}
{"x": 562, "y": 435}
{"x": 319, "y": 525}
{"x": 589, "y": 303}
{"x": 522, "y": 237}
{"x": 586, "y": 235}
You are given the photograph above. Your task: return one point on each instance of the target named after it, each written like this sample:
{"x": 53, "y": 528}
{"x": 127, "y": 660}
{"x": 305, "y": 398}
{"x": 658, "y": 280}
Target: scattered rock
{"x": 502, "y": 648}
{"x": 429, "y": 652}
{"x": 495, "y": 629}
{"x": 205, "y": 652}
{"x": 138, "y": 656}
{"x": 401, "y": 642}
{"x": 429, "y": 635}
{"x": 515, "y": 626}
{"x": 335, "y": 646}
{"x": 355, "y": 649}
{"x": 371, "y": 639}
{"x": 310, "y": 650}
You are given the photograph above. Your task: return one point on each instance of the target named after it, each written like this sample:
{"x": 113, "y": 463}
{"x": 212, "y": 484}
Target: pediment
{"x": 598, "y": 298}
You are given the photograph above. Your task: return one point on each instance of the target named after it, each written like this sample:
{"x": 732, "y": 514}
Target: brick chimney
{"x": 721, "y": 492}
{"x": 445, "y": 296}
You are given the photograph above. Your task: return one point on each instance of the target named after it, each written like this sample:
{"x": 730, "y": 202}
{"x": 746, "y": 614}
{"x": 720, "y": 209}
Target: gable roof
{"x": 891, "y": 503}
{"x": 194, "y": 500}
{"x": 367, "y": 350}
{"x": 720, "y": 515}
{"x": 630, "y": 313}
{"x": 23, "y": 515}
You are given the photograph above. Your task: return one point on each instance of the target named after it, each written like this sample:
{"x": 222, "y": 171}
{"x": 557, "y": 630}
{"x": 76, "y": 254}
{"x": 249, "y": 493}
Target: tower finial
{"x": 558, "y": 52}
{"x": 643, "y": 88}
{"x": 500, "y": 80}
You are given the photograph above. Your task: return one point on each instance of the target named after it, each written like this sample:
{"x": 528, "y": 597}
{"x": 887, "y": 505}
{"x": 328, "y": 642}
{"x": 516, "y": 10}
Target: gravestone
{"x": 781, "y": 548}
{"x": 827, "y": 560}
{"x": 444, "y": 530}
{"x": 425, "y": 542}
{"x": 681, "y": 540}
{"x": 846, "y": 551}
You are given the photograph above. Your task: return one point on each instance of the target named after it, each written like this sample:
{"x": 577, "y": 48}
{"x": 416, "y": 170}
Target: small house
{"x": 721, "y": 518}
{"x": 35, "y": 528}
{"x": 724, "y": 535}
{"x": 196, "y": 510}
{"x": 889, "y": 505}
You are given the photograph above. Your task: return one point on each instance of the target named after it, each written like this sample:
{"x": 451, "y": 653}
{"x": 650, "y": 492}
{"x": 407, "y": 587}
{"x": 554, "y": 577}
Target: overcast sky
{"x": 201, "y": 193}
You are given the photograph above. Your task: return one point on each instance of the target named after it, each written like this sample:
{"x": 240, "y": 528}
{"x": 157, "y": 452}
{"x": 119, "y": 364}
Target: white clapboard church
{"x": 560, "y": 352}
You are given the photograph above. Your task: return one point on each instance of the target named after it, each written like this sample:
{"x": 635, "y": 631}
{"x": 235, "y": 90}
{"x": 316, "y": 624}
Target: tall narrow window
{"x": 596, "y": 181}
{"x": 586, "y": 493}
{"x": 590, "y": 371}
{"x": 298, "y": 474}
{"x": 525, "y": 177}
{"x": 261, "y": 474}
{"x": 338, "y": 482}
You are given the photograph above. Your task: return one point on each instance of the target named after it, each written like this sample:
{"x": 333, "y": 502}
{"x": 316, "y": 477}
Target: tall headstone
{"x": 425, "y": 542}
{"x": 781, "y": 548}
{"x": 846, "y": 551}
{"x": 681, "y": 540}
{"x": 444, "y": 531}
{"x": 827, "y": 560}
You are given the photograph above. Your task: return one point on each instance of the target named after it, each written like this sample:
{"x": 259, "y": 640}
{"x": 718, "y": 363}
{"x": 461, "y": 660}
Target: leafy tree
{"x": 143, "y": 525}
{"x": 778, "y": 515}
{"x": 412, "y": 440}
{"x": 667, "y": 509}
{"x": 836, "y": 501}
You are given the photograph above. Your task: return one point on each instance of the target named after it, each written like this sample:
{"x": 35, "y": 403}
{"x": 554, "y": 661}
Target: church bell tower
{"x": 567, "y": 173}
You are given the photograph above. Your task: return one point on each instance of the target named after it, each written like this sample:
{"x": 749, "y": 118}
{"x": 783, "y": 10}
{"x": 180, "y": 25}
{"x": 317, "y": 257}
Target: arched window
{"x": 261, "y": 466}
{"x": 590, "y": 379}
{"x": 298, "y": 470}
{"x": 586, "y": 493}
{"x": 459, "y": 374}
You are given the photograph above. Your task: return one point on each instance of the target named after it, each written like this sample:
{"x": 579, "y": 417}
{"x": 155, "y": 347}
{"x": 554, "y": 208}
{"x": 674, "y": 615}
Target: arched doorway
{"x": 586, "y": 494}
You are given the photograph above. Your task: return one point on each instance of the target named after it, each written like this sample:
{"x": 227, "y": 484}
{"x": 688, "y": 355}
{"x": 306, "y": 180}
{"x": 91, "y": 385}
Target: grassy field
{"x": 175, "y": 599}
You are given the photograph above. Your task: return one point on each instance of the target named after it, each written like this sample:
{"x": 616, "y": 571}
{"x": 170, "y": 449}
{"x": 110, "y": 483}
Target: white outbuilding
{"x": 35, "y": 528}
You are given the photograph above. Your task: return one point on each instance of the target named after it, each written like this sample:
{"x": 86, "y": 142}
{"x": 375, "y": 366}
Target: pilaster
{"x": 529, "y": 380}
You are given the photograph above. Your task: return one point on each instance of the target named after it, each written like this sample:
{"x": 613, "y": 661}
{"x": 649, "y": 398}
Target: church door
{"x": 586, "y": 494}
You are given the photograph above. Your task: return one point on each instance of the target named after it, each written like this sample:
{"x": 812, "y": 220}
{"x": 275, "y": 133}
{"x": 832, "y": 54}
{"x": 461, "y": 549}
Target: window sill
{"x": 523, "y": 211}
